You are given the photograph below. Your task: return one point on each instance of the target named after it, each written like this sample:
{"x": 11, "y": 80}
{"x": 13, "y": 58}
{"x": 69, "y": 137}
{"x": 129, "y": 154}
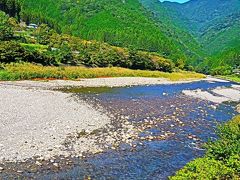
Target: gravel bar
{"x": 35, "y": 122}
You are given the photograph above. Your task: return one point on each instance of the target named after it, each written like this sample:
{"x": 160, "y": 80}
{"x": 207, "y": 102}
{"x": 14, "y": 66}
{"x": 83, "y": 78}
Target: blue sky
{"x": 180, "y": 1}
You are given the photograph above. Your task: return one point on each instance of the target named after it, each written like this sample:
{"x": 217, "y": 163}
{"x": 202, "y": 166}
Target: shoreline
{"x": 36, "y": 123}
{"x": 101, "y": 82}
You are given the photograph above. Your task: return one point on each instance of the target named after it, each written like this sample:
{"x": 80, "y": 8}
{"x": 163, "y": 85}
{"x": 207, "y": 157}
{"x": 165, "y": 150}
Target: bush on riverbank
{"x": 222, "y": 159}
{"x": 21, "y": 71}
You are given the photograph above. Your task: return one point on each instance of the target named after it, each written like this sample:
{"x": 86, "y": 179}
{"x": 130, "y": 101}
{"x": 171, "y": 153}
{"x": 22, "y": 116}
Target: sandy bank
{"x": 217, "y": 95}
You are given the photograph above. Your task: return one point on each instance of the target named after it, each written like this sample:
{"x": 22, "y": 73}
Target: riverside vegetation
{"x": 222, "y": 159}
{"x": 21, "y": 71}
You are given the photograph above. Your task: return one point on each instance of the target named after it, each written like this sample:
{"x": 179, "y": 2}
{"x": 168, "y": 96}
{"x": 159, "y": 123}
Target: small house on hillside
{"x": 32, "y": 26}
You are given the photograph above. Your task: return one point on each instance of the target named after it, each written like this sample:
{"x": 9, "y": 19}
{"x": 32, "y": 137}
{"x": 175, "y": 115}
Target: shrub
{"x": 6, "y": 31}
{"x": 141, "y": 61}
{"x": 11, "y": 51}
{"x": 205, "y": 168}
{"x": 222, "y": 159}
{"x": 222, "y": 70}
{"x": 163, "y": 64}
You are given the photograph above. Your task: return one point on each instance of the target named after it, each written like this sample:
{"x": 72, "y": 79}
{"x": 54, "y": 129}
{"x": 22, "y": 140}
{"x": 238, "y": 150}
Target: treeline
{"x": 224, "y": 63}
{"x": 124, "y": 25}
{"x": 44, "y": 46}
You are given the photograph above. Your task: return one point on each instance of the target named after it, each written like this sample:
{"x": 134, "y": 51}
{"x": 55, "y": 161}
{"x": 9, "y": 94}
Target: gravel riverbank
{"x": 44, "y": 130}
{"x": 36, "y": 122}
{"x": 95, "y": 82}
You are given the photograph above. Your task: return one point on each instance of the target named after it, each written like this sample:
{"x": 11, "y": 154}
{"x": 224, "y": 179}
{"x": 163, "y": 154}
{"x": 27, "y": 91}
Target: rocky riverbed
{"x": 74, "y": 134}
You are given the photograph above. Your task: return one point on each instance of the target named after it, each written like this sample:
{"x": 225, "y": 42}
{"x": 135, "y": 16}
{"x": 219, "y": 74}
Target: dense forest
{"x": 43, "y": 45}
{"x": 120, "y": 23}
{"x": 203, "y": 41}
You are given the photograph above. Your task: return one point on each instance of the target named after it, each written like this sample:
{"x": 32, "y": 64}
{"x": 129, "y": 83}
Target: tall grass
{"x": 26, "y": 71}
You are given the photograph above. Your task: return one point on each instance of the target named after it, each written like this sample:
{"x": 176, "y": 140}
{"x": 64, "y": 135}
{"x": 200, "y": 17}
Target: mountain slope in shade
{"x": 162, "y": 14}
{"x": 214, "y": 22}
{"x": 198, "y": 14}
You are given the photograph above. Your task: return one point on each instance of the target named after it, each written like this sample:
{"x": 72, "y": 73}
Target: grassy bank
{"x": 222, "y": 159}
{"x": 233, "y": 78}
{"x": 28, "y": 71}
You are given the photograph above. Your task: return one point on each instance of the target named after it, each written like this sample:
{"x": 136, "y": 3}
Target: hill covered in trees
{"x": 118, "y": 22}
{"x": 45, "y": 46}
{"x": 216, "y": 26}
{"x": 200, "y": 33}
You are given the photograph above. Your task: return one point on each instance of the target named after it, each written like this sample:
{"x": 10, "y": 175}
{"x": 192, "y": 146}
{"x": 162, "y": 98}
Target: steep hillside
{"x": 123, "y": 23}
{"x": 197, "y": 14}
{"x": 162, "y": 14}
{"x": 197, "y": 32}
{"x": 221, "y": 34}
{"x": 42, "y": 45}
{"x": 215, "y": 23}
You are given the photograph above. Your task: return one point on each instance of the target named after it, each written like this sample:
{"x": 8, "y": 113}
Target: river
{"x": 187, "y": 123}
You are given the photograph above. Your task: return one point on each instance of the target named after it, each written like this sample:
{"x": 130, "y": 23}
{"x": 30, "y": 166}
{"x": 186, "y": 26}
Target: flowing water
{"x": 155, "y": 159}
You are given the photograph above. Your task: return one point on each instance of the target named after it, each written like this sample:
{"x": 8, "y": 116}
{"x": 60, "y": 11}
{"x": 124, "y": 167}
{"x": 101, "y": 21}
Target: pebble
{"x": 40, "y": 158}
{"x": 56, "y": 164}
{"x": 38, "y": 163}
{"x": 238, "y": 108}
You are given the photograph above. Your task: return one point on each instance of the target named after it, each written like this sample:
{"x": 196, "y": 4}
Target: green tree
{"x": 6, "y": 31}
{"x": 180, "y": 63}
{"x": 43, "y": 33}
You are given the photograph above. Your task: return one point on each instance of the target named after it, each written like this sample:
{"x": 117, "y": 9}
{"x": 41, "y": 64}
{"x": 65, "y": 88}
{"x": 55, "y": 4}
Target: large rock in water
{"x": 238, "y": 108}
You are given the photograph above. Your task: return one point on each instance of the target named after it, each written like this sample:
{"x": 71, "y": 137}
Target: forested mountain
{"x": 162, "y": 14}
{"x": 42, "y": 45}
{"x": 214, "y": 23}
{"x": 123, "y": 23}
{"x": 202, "y": 33}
